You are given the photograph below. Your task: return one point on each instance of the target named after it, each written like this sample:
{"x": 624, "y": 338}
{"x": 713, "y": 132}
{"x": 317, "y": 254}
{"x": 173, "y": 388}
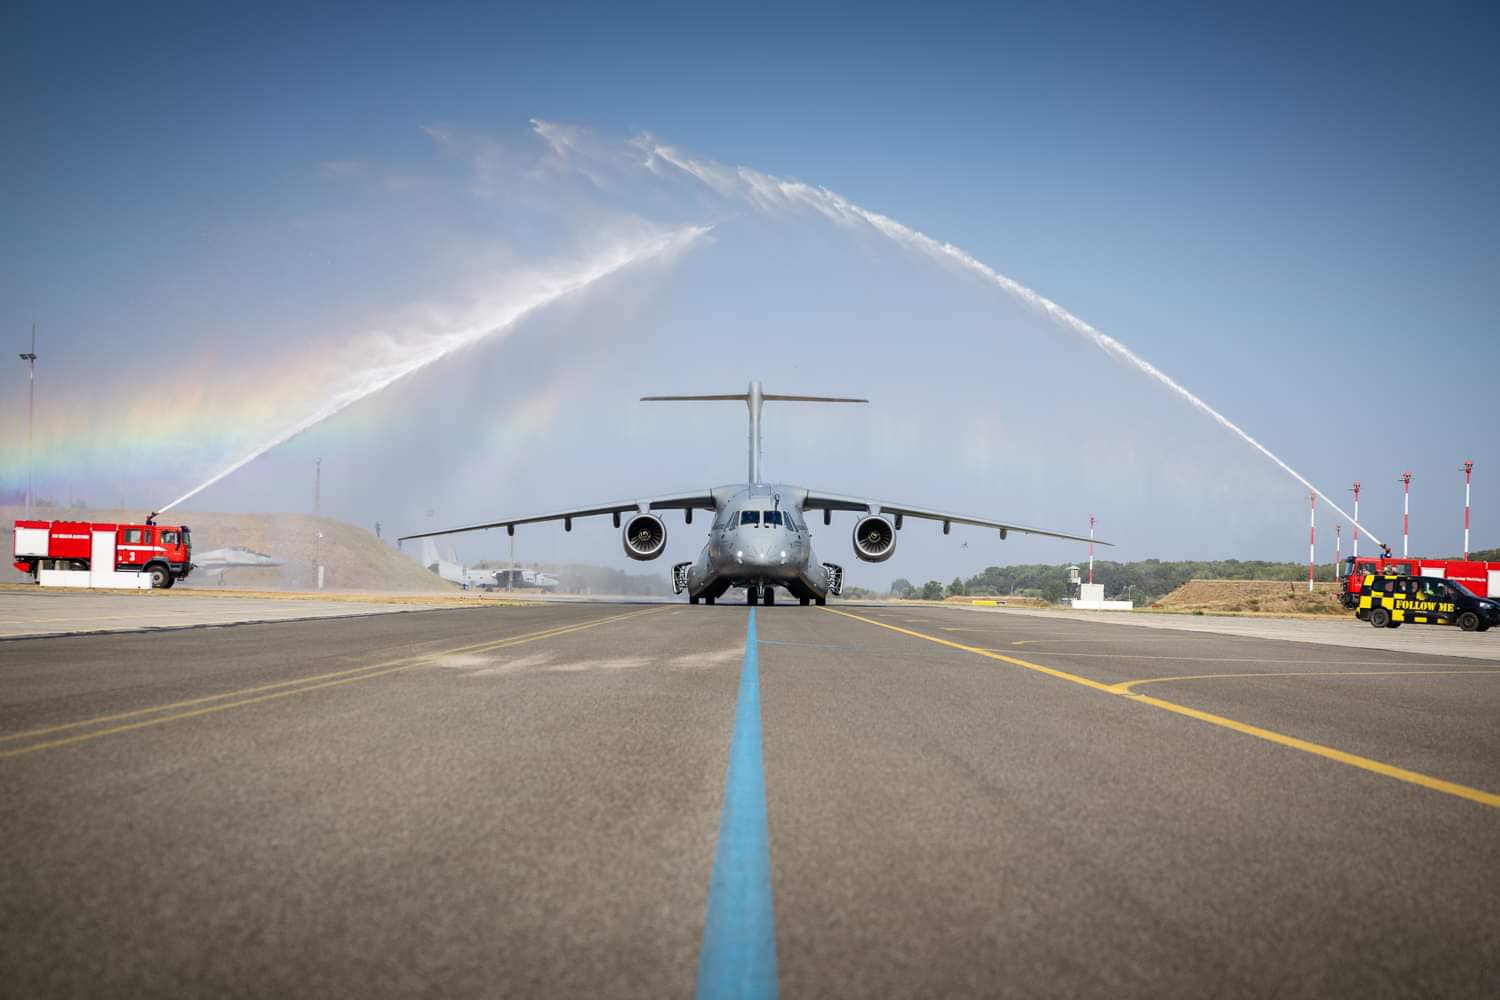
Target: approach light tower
{"x": 1468, "y": 471}
{"x": 30, "y": 358}
{"x": 1405, "y": 482}
{"x": 1312, "y": 538}
{"x": 1355, "y": 491}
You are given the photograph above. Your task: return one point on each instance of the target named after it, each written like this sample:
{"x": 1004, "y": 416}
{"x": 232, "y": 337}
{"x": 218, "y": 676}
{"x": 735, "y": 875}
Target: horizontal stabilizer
{"x": 744, "y": 397}
{"x": 753, "y": 398}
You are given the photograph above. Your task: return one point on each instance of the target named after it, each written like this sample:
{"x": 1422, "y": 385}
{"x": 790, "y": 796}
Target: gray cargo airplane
{"x": 759, "y": 538}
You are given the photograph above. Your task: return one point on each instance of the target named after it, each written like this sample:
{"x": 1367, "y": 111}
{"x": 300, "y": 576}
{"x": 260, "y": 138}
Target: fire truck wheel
{"x": 1468, "y": 621}
{"x": 1380, "y": 617}
{"x": 161, "y": 577}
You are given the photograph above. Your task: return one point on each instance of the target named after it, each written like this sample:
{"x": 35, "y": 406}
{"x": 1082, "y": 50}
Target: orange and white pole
{"x": 1312, "y": 538}
{"x": 1405, "y": 511}
{"x": 1468, "y": 474}
{"x": 1355, "y": 491}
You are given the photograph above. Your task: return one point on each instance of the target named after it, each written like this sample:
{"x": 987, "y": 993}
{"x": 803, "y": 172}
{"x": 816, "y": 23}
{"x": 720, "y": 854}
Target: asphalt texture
{"x": 31, "y": 611}
{"x": 526, "y": 801}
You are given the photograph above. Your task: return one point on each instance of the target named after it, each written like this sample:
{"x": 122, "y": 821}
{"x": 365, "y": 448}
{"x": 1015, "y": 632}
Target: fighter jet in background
{"x": 759, "y": 538}
{"x": 215, "y": 562}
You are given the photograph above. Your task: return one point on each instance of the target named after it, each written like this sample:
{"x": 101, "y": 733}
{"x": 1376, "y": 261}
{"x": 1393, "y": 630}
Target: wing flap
{"x": 702, "y": 500}
{"x": 832, "y": 501}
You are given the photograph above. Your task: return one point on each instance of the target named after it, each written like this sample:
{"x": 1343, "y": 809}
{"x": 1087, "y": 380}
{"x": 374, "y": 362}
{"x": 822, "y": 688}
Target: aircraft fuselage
{"x": 759, "y": 540}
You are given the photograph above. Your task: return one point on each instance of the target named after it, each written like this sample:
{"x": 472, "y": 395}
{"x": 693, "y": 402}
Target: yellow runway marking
{"x": 1353, "y": 760}
{"x": 298, "y": 686}
{"x": 1124, "y": 687}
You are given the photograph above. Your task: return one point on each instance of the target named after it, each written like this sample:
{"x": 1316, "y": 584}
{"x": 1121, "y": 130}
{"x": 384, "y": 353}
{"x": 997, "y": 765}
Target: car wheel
{"x": 1468, "y": 621}
{"x": 1380, "y": 617}
{"x": 161, "y": 577}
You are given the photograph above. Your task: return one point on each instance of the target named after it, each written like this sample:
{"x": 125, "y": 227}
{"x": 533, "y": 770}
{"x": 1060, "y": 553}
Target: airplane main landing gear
{"x": 806, "y": 601}
{"x": 752, "y": 596}
{"x": 770, "y": 596}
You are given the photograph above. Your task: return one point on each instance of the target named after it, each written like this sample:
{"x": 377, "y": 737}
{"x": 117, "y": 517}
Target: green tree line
{"x": 1142, "y": 582}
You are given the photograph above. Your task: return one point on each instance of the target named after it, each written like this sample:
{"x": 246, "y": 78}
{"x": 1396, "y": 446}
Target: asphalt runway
{"x": 639, "y": 801}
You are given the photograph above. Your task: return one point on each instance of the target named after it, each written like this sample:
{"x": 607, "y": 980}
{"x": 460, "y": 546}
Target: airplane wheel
{"x": 806, "y": 601}
{"x": 752, "y": 596}
{"x": 692, "y": 599}
{"x": 1380, "y": 618}
{"x": 1468, "y": 621}
{"x": 822, "y": 601}
{"x": 770, "y": 597}
{"x": 708, "y": 600}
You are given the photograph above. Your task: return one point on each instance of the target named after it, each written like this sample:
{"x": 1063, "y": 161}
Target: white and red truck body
{"x": 95, "y": 554}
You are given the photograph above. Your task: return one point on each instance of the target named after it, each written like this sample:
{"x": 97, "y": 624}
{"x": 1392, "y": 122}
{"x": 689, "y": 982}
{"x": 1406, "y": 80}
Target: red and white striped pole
{"x": 1468, "y": 473}
{"x": 1312, "y": 538}
{"x": 1091, "y": 548}
{"x": 1355, "y": 491}
{"x": 1405, "y": 511}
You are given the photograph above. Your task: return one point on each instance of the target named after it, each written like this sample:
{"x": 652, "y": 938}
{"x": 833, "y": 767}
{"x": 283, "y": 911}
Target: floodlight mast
{"x": 1355, "y": 491}
{"x": 30, "y": 358}
{"x": 1468, "y": 470}
{"x": 1091, "y": 548}
{"x": 1312, "y": 538}
{"x": 1405, "y": 482}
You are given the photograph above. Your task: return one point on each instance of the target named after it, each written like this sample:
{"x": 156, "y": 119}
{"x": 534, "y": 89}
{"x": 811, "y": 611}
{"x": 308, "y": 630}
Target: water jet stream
{"x": 371, "y": 380}
{"x": 769, "y": 193}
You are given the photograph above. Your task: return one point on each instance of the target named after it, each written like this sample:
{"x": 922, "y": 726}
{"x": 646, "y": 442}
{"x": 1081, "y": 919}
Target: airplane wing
{"x": 832, "y": 501}
{"x": 699, "y": 500}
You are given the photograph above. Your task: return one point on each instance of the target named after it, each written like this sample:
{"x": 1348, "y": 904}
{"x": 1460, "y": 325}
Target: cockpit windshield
{"x": 749, "y": 517}
{"x": 773, "y": 517}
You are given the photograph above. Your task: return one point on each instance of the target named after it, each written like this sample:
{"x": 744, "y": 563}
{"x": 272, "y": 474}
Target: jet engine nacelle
{"x": 874, "y": 538}
{"x": 645, "y": 537}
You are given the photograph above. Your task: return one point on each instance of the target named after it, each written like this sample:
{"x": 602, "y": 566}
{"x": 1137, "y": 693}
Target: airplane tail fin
{"x": 753, "y": 398}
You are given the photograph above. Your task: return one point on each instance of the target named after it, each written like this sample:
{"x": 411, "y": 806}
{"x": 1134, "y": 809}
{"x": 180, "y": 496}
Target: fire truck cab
{"x": 163, "y": 552}
{"x": 1479, "y": 578}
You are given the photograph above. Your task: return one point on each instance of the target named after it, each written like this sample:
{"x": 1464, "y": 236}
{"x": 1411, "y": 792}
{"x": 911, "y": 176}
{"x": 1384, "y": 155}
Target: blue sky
{"x": 1291, "y": 211}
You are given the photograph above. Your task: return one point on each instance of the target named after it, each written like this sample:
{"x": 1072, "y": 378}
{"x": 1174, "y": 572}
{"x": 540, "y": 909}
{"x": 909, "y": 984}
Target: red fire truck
{"x": 163, "y": 551}
{"x": 1480, "y": 578}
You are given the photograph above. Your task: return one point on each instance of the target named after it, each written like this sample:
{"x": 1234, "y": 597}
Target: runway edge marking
{"x": 738, "y": 956}
{"x": 359, "y": 674}
{"x": 1353, "y": 760}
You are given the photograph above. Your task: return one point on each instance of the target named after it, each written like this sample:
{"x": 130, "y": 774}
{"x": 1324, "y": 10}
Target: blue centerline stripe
{"x": 739, "y": 933}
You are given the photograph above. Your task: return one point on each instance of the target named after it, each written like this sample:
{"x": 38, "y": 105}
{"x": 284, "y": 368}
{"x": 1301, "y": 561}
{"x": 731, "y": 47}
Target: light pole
{"x": 1312, "y": 538}
{"x": 1468, "y": 470}
{"x": 30, "y": 358}
{"x": 1405, "y": 510}
{"x": 1355, "y": 491}
{"x": 1091, "y": 548}
{"x": 1338, "y": 547}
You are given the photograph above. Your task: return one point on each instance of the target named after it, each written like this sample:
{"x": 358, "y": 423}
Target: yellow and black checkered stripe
{"x": 1404, "y": 608}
